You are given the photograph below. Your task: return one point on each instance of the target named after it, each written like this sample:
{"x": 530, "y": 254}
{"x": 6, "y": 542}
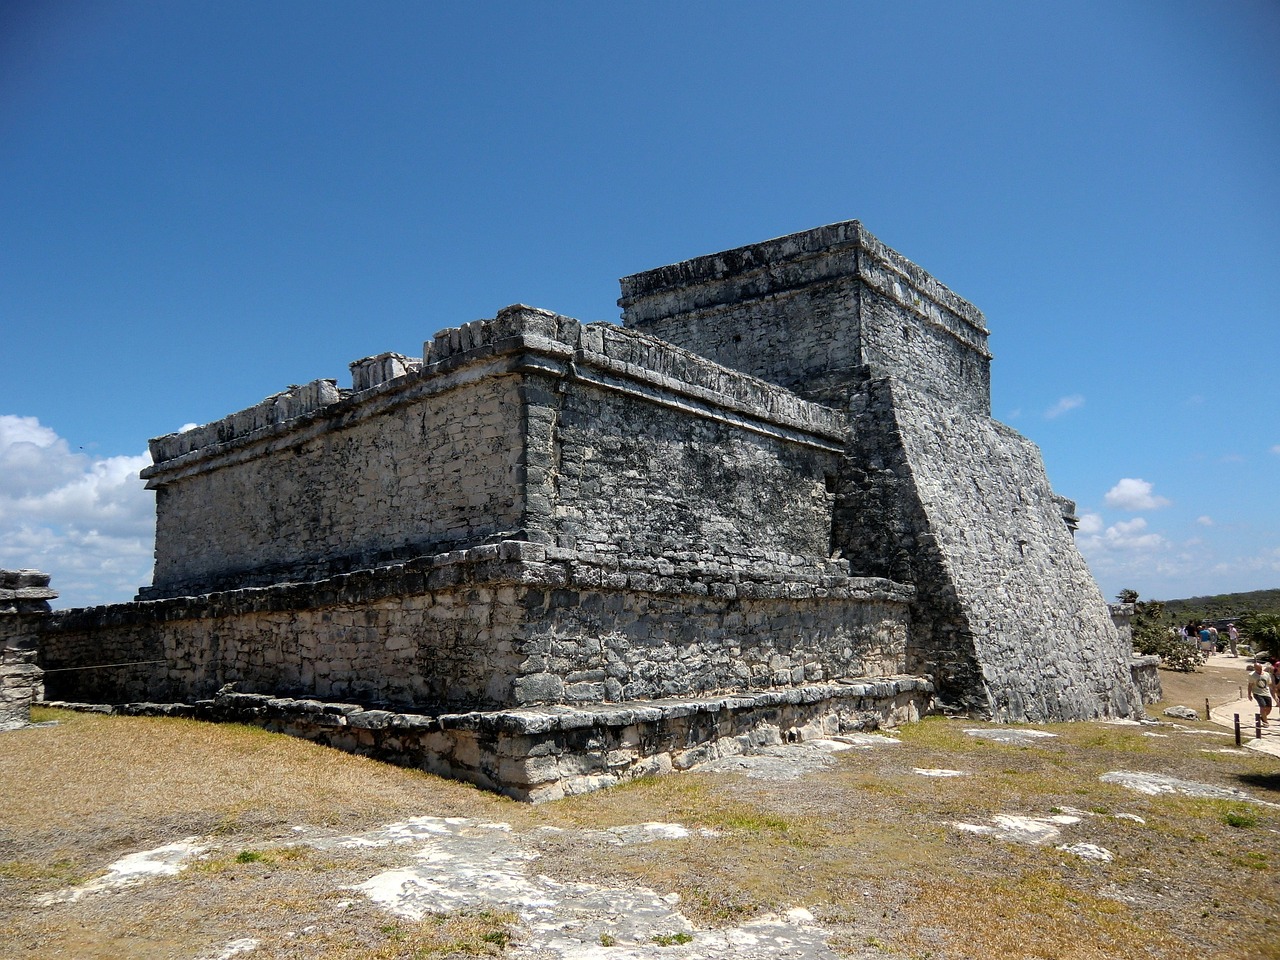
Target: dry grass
{"x": 865, "y": 844}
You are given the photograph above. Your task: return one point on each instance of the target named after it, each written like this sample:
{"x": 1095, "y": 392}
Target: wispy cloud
{"x": 1134, "y": 494}
{"x": 1205, "y": 521}
{"x": 1065, "y": 405}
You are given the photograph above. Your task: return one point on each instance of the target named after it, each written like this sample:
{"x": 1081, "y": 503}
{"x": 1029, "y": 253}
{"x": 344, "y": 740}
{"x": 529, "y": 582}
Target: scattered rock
{"x": 1088, "y": 851}
{"x": 794, "y": 760}
{"x": 1182, "y": 713}
{"x": 939, "y": 773}
{"x": 1154, "y": 784}
{"x": 234, "y": 948}
{"x": 1033, "y": 830}
{"x": 1020, "y": 736}
{"x": 164, "y": 861}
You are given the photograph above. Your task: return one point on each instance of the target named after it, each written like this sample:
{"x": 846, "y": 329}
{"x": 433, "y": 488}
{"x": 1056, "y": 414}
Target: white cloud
{"x": 1205, "y": 521}
{"x": 1090, "y": 523}
{"x": 88, "y": 521}
{"x": 1127, "y": 553}
{"x": 1127, "y": 536}
{"x": 1133, "y": 494}
{"x": 1063, "y": 406}
{"x": 1276, "y": 448}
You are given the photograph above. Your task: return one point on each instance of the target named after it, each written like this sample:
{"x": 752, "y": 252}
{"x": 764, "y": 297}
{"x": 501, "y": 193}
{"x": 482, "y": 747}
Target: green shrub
{"x": 1152, "y": 636}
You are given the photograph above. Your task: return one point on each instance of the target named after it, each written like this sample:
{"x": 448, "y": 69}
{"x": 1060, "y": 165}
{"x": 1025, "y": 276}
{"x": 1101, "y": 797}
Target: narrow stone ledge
{"x": 550, "y": 752}
{"x": 508, "y": 562}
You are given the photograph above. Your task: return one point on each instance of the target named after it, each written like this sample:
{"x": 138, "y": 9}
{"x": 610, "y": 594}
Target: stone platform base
{"x": 549, "y": 752}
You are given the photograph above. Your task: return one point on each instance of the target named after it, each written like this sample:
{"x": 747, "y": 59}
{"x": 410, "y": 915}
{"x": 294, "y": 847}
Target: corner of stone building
{"x": 1007, "y": 618}
{"x": 881, "y": 527}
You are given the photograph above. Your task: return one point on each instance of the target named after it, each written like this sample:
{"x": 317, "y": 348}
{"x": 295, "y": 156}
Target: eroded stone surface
{"x": 1014, "y": 735}
{"x": 465, "y": 865}
{"x": 793, "y": 760}
{"x": 165, "y": 861}
{"x": 1088, "y": 851}
{"x": 1021, "y": 829}
{"x": 234, "y": 948}
{"x": 1154, "y": 784}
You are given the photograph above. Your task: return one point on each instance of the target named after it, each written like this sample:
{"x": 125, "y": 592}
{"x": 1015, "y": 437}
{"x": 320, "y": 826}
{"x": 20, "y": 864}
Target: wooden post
{"x": 1237, "y": 718}
{"x": 1257, "y": 726}
{"x": 1206, "y": 709}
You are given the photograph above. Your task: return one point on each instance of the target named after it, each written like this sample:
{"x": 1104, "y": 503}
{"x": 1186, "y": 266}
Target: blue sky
{"x": 204, "y": 203}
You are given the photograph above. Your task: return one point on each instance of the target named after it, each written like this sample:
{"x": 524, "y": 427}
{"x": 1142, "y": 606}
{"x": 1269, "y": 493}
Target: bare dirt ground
{"x": 933, "y": 843}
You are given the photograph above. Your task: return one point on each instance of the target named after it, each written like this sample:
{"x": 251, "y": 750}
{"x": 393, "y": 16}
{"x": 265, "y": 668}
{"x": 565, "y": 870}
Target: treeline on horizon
{"x": 1221, "y": 606}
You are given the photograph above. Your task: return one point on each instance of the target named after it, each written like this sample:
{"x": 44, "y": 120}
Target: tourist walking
{"x": 1206, "y": 641}
{"x": 1233, "y": 638}
{"x": 1261, "y": 681}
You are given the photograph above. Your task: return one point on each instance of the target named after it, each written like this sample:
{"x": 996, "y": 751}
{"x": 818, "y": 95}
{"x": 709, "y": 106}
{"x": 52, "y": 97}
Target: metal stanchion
{"x": 1257, "y": 726}
{"x": 1237, "y": 717}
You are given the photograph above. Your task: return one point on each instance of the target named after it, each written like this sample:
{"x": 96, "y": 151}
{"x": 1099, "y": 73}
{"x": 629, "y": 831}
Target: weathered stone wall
{"x": 21, "y": 684}
{"x": 637, "y": 478}
{"x": 23, "y": 592}
{"x": 808, "y": 310}
{"x": 24, "y": 606}
{"x": 1122, "y": 618}
{"x": 495, "y": 626}
{"x": 528, "y": 426}
{"x": 932, "y": 491}
{"x": 343, "y": 489}
{"x": 1146, "y": 678}
{"x": 961, "y": 507}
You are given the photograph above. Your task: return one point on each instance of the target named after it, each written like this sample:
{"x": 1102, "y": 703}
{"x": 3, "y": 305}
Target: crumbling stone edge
{"x": 546, "y": 753}
{"x": 1146, "y": 677}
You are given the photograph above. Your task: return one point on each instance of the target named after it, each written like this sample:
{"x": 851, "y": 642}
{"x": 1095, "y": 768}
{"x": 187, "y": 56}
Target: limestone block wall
{"x": 21, "y": 684}
{"x": 621, "y": 632}
{"x": 635, "y": 477}
{"x": 960, "y": 505}
{"x": 495, "y": 626}
{"x": 807, "y": 310}
{"x": 1122, "y": 618}
{"x": 423, "y": 633}
{"x": 526, "y": 426}
{"x": 1146, "y": 678}
{"x": 368, "y": 485}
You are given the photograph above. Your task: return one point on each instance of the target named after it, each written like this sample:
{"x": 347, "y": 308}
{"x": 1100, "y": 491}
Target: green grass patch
{"x": 1241, "y": 818}
{"x": 62, "y": 873}
{"x": 672, "y": 939}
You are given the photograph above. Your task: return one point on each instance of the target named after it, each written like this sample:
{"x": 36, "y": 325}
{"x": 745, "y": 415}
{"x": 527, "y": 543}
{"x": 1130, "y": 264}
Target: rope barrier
{"x": 105, "y": 666}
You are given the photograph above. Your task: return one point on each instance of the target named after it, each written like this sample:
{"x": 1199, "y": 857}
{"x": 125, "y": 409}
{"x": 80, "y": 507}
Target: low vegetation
{"x": 868, "y": 845}
{"x": 1221, "y": 606}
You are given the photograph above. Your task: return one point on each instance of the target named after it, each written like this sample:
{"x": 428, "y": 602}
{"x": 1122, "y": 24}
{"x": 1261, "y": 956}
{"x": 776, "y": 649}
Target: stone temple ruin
{"x": 549, "y": 556}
